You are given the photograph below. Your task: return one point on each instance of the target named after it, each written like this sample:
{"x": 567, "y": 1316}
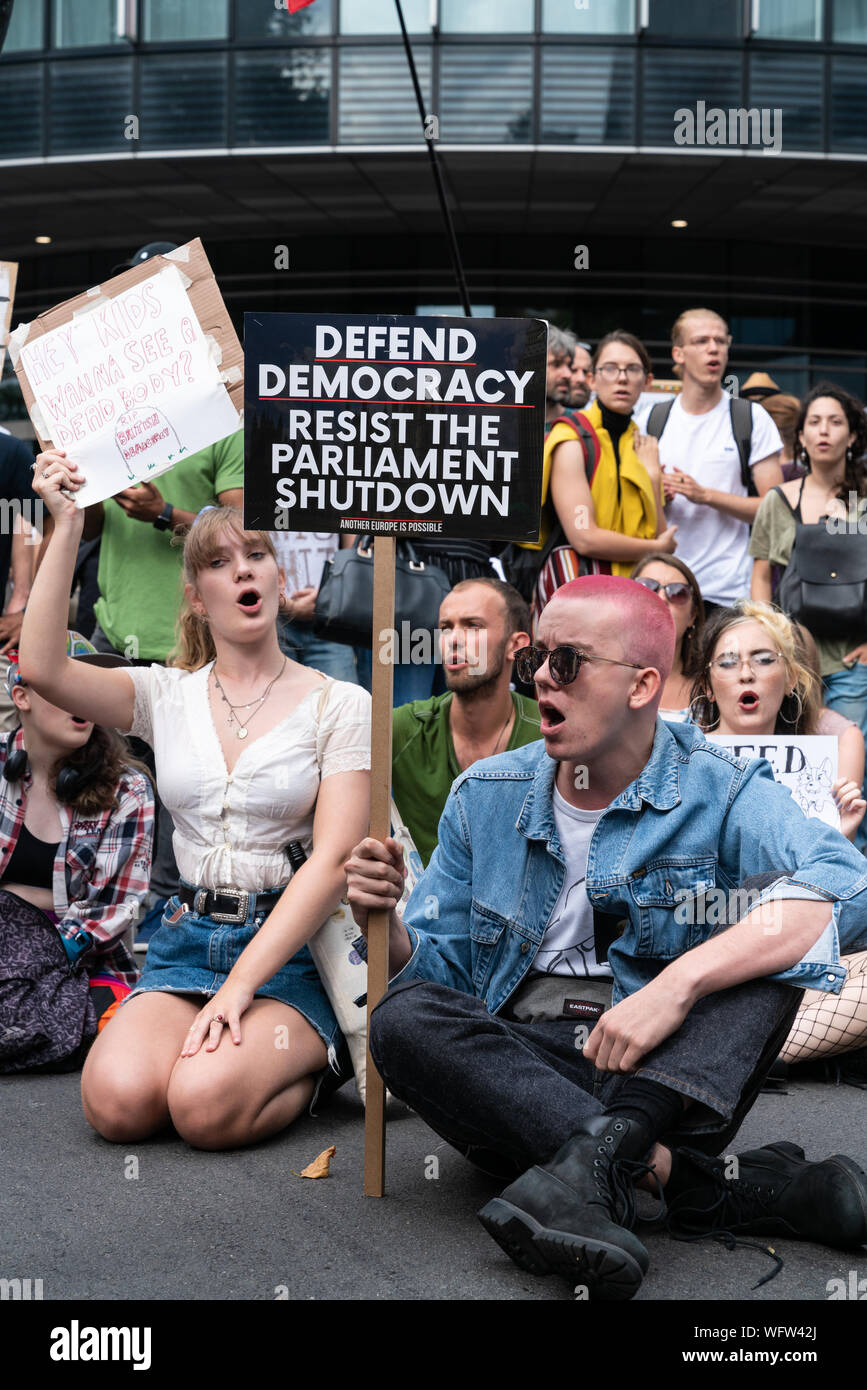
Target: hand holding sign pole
{"x": 391, "y": 426}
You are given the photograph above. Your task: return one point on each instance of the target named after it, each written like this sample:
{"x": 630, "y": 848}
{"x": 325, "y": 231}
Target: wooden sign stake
{"x": 380, "y": 829}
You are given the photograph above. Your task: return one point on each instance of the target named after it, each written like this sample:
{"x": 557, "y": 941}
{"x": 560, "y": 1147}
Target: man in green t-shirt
{"x": 483, "y": 622}
{"x": 139, "y": 568}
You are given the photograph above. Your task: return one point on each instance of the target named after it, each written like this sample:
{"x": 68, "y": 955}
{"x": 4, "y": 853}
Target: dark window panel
{"x": 84, "y": 23}
{"x": 588, "y": 98}
{"x": 790, "y": 19}
{"x": 849, "y": 104}
{"x": 26, "y": 27}
{"x": 260, "y": 19}
{"x": 682, "y": 78}
{"x": 486, "y": 95}
{"x": 793, "y": 83}
{"x": 850, "y": 21}
{"x": 183, "y": 101}
{"x": 723, "y": 19}
{"x": 90, "y": 101}
{"x": 173, "y": 20}
{"x": 377, "y": 102}
{"x": 20, "y": 94}
{"x": 282, "y": 98}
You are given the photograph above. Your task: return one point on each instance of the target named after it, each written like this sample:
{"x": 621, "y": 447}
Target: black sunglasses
{"x": 675, "y": 593}
{"x": 564, "y": 663}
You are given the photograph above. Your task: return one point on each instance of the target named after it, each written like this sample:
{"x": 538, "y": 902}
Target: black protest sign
{"x": 394, "y": 425}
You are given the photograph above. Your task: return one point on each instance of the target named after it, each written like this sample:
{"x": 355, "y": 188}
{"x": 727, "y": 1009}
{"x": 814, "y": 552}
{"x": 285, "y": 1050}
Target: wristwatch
{"x": 164, "y": 521}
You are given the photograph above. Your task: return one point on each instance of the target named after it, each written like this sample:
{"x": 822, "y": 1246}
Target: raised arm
{"x": 96, "y": 693}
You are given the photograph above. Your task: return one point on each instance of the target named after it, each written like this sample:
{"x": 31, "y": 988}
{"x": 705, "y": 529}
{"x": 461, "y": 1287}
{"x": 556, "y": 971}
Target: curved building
{"x": 607, "y": 161}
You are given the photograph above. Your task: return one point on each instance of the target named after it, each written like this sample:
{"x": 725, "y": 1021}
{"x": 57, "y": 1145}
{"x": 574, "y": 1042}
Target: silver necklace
{"x": 255, "y": 705}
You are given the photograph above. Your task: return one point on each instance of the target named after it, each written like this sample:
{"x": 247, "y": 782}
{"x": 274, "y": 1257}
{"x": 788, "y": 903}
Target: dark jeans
{"x": 521, "y": 1089}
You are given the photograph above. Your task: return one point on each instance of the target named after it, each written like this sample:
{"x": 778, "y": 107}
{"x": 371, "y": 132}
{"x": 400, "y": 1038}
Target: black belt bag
{"x": 344, "y": 603}
{"x": 824, "y": 585}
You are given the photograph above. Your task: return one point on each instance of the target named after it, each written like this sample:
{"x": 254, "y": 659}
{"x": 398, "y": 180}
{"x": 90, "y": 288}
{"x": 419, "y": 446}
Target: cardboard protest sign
{"x": 805, "y": 763}
{"x": 8, "y": 276}
{"x": 135, "y": 374}
{"x": 394, "y": 425}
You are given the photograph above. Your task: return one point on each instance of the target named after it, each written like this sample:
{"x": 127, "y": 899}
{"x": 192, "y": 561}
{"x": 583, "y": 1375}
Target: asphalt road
{"x": 95, "y": 1220}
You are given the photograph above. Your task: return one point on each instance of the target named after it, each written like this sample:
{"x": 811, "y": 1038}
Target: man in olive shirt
{"x": 483, "y": 622}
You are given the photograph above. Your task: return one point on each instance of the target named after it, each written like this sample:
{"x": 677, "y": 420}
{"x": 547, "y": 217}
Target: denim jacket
{"x": 696, "y": 818}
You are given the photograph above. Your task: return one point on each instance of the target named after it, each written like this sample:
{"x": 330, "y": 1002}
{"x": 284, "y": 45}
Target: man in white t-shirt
{"x": 705, "y": 494}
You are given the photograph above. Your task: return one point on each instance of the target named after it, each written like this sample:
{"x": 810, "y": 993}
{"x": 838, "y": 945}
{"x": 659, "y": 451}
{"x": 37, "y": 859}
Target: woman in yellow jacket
{"x": 610, "y": 507}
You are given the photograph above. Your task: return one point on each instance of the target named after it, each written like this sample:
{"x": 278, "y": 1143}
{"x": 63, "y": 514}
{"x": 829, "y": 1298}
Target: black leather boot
{"x": 572, "y": 1216}
{"x": 776, "y": 1192}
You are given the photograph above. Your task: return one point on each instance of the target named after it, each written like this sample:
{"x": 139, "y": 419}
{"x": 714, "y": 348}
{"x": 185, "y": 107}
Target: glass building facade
{"x": 547, "y": 91}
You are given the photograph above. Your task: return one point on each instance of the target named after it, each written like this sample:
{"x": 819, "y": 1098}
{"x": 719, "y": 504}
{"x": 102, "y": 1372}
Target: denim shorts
{"x": 195, "y": 954}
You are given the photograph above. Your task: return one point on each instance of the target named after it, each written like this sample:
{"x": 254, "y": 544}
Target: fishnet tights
{"x": 828, "y": 1024}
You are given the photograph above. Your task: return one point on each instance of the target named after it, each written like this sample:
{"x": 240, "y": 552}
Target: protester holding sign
{"x": 258, "y": 759}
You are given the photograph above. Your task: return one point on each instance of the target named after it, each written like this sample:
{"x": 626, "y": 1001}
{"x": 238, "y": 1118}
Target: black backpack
{"x": 47, "y": 1016}
{"x": 742, "y": 429}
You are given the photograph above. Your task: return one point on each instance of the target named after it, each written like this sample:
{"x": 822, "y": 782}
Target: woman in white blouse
{"x": 257, "y": 759}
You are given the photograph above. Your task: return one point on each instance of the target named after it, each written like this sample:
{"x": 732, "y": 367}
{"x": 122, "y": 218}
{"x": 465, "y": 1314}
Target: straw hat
{"x": 758, "y": 386}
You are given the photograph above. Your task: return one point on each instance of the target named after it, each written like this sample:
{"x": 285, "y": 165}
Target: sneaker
{"x": 573, "y": 1216}
{"x": 777, "y": 1192}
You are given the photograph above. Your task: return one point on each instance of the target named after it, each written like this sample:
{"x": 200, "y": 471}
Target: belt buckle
{"x": 242, "y": 899}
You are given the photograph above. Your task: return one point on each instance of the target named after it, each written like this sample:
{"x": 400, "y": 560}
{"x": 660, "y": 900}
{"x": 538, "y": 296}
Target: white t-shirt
{"x": 714, "y": 545}
{"x": 302, "y": 554}
{"x": 568, "y": 946}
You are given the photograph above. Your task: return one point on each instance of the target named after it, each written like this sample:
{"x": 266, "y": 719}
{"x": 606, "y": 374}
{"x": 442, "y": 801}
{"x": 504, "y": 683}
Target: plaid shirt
{"x": 102, "y": 866}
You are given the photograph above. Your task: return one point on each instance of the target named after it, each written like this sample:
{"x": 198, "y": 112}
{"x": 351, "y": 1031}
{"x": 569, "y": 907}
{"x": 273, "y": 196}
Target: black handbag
{"x": 824, "y": 585}
{"x": 344, "y": 603}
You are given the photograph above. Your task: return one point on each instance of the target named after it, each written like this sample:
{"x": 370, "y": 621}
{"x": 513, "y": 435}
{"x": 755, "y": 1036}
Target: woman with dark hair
{"x": 601, "y": 480}
{"x": 76, "y": 829}
{"x": 832, "y": 443}
{"x": 264, "y": 767}
{"x": 676, "y": 584}
{"x": 754, "y": 680}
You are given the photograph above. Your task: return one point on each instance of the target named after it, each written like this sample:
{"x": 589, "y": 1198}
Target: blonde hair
{"x": 677, "y": 326}
{"x": 194, "y": 644}
{"x": 799, "y": 711}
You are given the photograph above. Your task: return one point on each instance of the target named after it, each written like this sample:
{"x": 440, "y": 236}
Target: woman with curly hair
{"x": 264, "y": 767}
{"x": 832, "y": 443}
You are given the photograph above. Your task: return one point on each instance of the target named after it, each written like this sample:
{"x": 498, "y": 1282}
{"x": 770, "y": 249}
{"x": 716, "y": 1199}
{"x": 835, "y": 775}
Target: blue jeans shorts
{"x": 195, "y": 954}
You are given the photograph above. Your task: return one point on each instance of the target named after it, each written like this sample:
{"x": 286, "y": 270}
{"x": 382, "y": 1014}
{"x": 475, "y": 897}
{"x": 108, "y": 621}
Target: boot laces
{"x": 737, "y": 1202}
{"x": 617, "y": 1189}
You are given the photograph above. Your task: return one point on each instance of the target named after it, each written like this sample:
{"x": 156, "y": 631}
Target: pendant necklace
{"x": 255, "y": 705}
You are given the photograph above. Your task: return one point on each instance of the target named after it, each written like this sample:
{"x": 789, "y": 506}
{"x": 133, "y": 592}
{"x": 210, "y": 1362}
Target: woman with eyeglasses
{"x": 263, "y": 765}
{"x": 755, "y": 679}
{"x": 609, "y": 507}
{"x": 676, "y": 584}
{"x": 832, "y": 443}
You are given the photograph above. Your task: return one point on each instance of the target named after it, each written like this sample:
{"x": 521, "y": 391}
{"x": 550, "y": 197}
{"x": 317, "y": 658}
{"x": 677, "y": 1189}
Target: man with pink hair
{"x": 565, "y": 1010}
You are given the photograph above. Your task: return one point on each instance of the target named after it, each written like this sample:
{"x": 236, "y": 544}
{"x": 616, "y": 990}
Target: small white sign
{"x": 129, "y": 387}
{"x": 805, "y": 763}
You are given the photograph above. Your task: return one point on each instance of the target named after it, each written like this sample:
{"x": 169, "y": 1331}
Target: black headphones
{"x": 71, "y": 781}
